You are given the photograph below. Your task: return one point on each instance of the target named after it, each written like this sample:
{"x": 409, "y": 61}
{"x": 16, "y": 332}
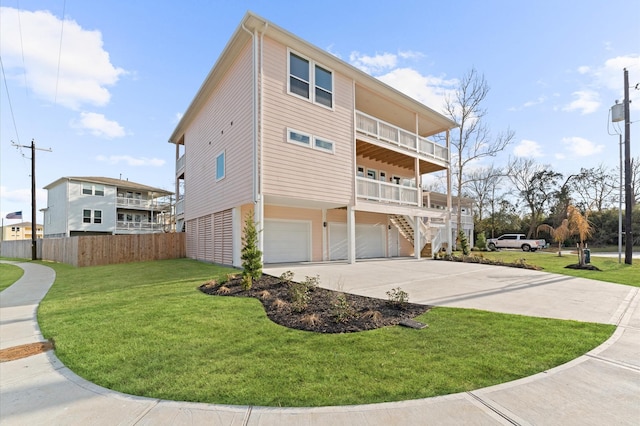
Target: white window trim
{"x": 224, "y": 165}
{"x": 312, "y": 80}
{"x": 312, "y": 141}
{"x": 371, "y": 170}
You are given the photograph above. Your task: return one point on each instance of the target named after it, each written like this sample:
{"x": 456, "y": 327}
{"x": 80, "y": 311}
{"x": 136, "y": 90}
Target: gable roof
{"x": 254, "y": 24}
{"x": 118, "y": 183}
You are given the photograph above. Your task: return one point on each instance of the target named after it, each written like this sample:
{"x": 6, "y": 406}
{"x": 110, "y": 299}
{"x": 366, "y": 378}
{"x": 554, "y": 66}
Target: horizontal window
{"x": 89, "y": 216}
{"x": 304, "y": 139}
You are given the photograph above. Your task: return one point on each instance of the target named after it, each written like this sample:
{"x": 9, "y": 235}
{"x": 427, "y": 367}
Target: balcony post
{"x": 417, "y": 237}
{"x": 351, "y": 235}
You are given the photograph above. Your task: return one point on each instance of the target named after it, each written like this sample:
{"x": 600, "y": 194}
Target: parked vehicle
{"x": 515, "y": 241}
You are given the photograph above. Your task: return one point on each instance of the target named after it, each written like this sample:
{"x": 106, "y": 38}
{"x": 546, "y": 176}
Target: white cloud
{"x": 429, "y": 90}
{"x": 584, "y": 69}
{"x": 527, "y": 148}
{"x": 373, "y": 64}
{"x": 98, "y": 125}
{"x": 72, "y": 73}
{"x": 410, "y": 54}
{"x": 587, "y": 101}
{"x": 131, "y": 161}
{"x": 581, "y": 147}
{"x": 538, "y": 101}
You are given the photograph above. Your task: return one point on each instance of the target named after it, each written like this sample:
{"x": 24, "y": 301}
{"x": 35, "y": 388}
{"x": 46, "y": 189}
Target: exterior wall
{"x": 79, "y": 201}
{"x": 55, "y": 217}
{"x": 296, "y": 171}
{"x": 20, "y": 231}
{"x": 225, "y": 123}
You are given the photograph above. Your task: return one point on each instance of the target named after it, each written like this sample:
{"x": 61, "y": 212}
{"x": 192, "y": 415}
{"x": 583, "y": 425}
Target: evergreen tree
{"x": 251, "y": 256}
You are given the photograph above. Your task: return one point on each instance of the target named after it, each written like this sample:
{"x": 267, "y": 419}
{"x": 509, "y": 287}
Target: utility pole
{"x": 628, "y": 204}
{"x": 34, "y": 225}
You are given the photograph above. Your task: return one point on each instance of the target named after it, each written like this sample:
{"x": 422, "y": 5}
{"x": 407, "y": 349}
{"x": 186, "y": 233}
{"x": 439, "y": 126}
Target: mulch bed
{"x": 326, "y": 311}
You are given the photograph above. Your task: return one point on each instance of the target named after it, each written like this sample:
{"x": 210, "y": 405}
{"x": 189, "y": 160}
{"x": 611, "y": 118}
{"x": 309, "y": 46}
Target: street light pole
{"x": 628, "y": 203}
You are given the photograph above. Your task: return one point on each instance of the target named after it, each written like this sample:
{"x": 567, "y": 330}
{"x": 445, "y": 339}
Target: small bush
{"x": 264, "y": 294}
{"x": 464, "y": 242}
{"x": 286, "y": 277}
{"x": 247, "y": 281}
{"x": 397, "y": 297}
{"x": 280, "y": 304}
{"x": 224, "y": 290}
{"x": 374, "y": 316}
{"x": 299, "y": 293}
{"x": 341, "y": 309}
{"x": 251, "y": 256}
{"x": 311, "y": 320}
{"x": 481, "y": 241}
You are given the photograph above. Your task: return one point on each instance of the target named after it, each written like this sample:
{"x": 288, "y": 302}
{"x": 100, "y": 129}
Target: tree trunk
{"x": 580, "y": 254}
{"x": 559, "y": 249}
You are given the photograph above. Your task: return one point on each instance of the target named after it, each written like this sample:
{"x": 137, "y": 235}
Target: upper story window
{"x": 220, "y": 166}
{"x": 305, "y": 74}
{"x": 91, "y": 189}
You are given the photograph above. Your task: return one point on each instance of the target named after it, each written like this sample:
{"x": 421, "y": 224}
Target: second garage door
{"x": 370, "y": 241}
{"x": 287, "y": 241}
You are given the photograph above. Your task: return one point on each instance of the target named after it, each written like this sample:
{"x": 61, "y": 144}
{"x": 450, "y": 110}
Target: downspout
{"x": 261, "y": 142}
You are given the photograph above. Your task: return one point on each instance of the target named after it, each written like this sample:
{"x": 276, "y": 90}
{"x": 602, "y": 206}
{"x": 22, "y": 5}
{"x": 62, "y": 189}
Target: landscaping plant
{"x": 251, "y": 256}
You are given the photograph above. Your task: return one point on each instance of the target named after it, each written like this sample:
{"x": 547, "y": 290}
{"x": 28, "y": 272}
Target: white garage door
{"x": 287, "y": 241}
{"x": 370, "y": 241}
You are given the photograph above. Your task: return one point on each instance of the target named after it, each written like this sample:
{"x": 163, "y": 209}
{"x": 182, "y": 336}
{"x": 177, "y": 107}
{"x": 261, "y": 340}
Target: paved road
{"x": 601, "y": 387}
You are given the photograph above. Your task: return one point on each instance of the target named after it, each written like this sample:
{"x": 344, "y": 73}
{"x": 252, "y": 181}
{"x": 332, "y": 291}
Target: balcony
{"x": 131, "y": 227}
{"x": 180, "y": 165}
{"x": 384, "y": 192}
{"x": 391, "y": 135}
{"x": 142, "y": 203}
{"x": 180, "y": 207}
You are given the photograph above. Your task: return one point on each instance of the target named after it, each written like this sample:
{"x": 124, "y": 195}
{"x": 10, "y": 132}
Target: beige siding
{"x": 225, "y": 123}
{"x": 223, "y": 237}
{"x": 296, "y": 171}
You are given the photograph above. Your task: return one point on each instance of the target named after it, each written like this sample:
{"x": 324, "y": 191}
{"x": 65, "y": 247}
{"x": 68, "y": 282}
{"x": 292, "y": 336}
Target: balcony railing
{"x": 141, "y": 203}
{"x": 376, "y": 190}
{"x": 180, "y": 164}
{"x": 398, "y": 137}
{"x": 139, "y": 226}
{"x": 180, "y": 207}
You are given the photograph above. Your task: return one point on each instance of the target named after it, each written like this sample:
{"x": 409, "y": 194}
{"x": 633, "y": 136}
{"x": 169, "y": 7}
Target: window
{"x": 324, "y": 87}
{"x": 89, "y": 189}
{"x": 383, "y": 176}
{"x": 323, "y": 145}
{"x": 298, "y": 75}
{"x": 372, "y": 174}
{"x": 86, "y": 216}
{"x": 360, "y": 172}
{"x": 97, "y": 216}
{"x": 304, "y": 139}
{"x": 294, "y": 136}
{"x": 301, "y": 79}
{"x": 220, "y": 166}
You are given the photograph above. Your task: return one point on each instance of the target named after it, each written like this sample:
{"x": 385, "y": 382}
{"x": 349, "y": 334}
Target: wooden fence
{"x": 20, "y": 249}
{"x": 97, "y": 250}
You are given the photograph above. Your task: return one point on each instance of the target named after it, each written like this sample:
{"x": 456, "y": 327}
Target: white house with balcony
{"x": 327, "y": 159}
{"x": 100, "y": 205}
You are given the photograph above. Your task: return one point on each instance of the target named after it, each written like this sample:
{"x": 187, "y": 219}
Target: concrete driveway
{"x": 468, "y": 285}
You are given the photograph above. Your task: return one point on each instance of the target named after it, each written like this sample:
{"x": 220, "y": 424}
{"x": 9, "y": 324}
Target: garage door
{"x": 370, "y": 241}
{"x": 287, "y": 241}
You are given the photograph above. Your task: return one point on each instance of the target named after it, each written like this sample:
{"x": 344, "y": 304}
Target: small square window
{"x": 99, "y": 190}
{"x": 87, "y": 189}
{"x": 220, "y": 166}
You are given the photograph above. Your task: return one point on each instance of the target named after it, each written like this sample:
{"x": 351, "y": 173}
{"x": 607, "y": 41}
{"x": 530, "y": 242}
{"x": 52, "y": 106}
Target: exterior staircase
{"x": 405, "y": 227}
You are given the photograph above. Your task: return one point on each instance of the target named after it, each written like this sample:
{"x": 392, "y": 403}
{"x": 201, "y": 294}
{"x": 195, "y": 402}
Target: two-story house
{"x": 101, "y": 205}
{"x": 21, "y": 231}
{"x": 328, "y": 159}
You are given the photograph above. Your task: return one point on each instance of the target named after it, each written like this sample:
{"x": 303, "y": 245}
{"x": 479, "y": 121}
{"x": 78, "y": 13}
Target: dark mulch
{"x": 324, "y": 313}
{"x": 588, "y": 267}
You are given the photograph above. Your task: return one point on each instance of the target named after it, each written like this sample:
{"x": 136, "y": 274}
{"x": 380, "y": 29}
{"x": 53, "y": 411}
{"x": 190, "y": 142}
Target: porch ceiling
{"x": 388, "y": 156}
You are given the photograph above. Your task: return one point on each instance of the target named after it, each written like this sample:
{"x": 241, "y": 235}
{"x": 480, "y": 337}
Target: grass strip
{"x": 145, "y": 329}
{"x": 9, "y": 274}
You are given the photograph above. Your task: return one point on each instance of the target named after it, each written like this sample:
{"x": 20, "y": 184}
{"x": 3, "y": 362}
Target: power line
{"x": 64, "y": 7}
{"x": 13, "y": 117}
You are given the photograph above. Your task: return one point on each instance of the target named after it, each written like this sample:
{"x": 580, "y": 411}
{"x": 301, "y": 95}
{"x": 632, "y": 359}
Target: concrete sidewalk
{"x": 602, "y": 387}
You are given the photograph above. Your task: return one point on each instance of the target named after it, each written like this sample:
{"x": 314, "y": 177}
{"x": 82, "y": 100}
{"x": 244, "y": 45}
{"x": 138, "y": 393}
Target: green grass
{"x": 145, "y": 329}
{"x": 611, "y": 270}
{"x": 9, "y": 274}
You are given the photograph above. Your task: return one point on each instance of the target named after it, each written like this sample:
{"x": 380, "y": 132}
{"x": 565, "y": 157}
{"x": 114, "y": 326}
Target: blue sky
{"x": 105, "y": 88}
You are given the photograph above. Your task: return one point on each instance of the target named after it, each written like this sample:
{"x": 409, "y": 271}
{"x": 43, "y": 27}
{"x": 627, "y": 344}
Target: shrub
{"x": 464, "y": 242}
{"x": 251, "y": 256}
{"x": 247, "y": 281}
{"x": 397, "y": 297}
{"x": 311, "y": 320}
{"x": 286, "y": 277}
{"x": 280, "y": 304}
{"x": 341, "y": 309}
{"x": 224, "y": 290}
{"x": 264, "y": 294}
{"x": 374, "y": 316}
{"x": 481, "y": 241}
{"x": 300, "y": 295}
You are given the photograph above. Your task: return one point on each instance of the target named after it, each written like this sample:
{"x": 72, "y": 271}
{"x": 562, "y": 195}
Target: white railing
{"x": 436, "y": 242}
{"x": 141, "y": 203}
{"x": 138, "y": 226}
{"x": 386, "y": 192}
{"x": 180, "y": 163}
{"x": 396, "y": 136}
{"x": 180, "y": 207}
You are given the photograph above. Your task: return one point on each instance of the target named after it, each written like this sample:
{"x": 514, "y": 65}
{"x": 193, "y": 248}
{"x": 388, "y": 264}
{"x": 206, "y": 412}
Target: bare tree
{"x": 483, "y": 183}
{"x": 594, "y": 188}
{"x": 473, "y": 139}
{"x": 536, "y": 184}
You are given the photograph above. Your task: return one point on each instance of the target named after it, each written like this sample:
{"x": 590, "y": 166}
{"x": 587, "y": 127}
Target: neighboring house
{"x": 20, "y": 231}
{"x": 436, "y": 200}
{"x": 100, "y": 205}
{"x": 328, "y": 158}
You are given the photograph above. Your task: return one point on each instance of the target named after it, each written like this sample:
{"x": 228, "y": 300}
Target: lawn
{"x": 9, "y": 274}
{"x": 145, "y": 329}
{"x": 611, "y": 270}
